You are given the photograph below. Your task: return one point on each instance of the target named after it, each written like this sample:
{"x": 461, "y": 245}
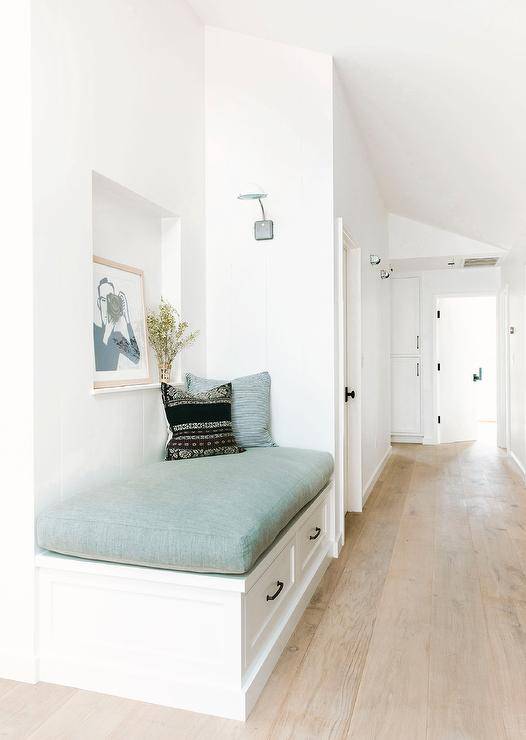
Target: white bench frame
{"x": 207, "y": 643}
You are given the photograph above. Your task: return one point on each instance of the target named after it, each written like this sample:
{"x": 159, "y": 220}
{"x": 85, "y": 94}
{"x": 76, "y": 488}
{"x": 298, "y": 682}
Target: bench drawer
{"x": 267, "y": 599}
{"x": 312, "y": 534}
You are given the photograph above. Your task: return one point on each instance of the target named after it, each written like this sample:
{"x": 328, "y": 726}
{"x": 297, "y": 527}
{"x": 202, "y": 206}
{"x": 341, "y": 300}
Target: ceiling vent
{"x": 480, "y": 261}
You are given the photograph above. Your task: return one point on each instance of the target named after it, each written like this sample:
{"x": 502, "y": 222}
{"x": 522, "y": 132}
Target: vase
{"x": 165, "y": 372}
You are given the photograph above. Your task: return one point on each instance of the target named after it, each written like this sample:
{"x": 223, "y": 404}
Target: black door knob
{"x": 349, "y": 394}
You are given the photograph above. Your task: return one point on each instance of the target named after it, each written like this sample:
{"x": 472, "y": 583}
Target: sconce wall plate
{"x": 264, "y": 230}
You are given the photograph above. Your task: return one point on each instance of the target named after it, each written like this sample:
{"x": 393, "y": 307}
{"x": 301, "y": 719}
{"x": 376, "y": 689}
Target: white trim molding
{"x": 412, "y": 439}
{"x": 376, "y": 474}
{"x": 126, "y": 388}
{"x": 520, "y": 467}
{"x": 19, "y": 667}
{"x": 430, "y": 441}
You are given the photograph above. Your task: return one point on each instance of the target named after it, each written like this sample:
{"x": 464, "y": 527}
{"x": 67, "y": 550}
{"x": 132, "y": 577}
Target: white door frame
{"x": 503, "y": 370}
{"x": 339, "y": 386}
{"x": 436, "y": 298}
{"x": 344, "y": 244}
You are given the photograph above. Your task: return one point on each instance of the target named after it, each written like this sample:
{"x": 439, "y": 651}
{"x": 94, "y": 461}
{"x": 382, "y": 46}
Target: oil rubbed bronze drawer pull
{"x": 280, "y": 585}
{"x": 315, "y": 536}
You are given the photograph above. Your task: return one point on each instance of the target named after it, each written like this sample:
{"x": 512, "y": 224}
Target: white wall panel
{"x": 118, "y": 88}
{"x": 270, "y": 305}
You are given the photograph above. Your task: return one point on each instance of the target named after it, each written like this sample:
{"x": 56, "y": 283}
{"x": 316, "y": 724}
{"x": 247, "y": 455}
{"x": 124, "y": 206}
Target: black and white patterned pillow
{"x": 200, "y": 423}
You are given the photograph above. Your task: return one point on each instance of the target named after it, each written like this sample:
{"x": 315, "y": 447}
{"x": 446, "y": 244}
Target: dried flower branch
{"x": 166, "y": 333}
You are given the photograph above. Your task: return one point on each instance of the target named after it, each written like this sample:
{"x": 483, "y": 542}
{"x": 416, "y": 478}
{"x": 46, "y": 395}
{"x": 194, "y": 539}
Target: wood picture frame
{"x": 120, "y": 340}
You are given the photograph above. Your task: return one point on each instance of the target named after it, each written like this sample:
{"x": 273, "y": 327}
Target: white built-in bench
{"x": 200, "y": 641}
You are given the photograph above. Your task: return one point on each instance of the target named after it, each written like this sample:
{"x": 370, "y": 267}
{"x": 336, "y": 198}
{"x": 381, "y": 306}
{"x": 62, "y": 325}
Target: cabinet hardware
{"x": 418, "y": 341}
{"x": 315, "y": 536}
{"x": 417, "y": 369}
{"x": 280, "y": 585}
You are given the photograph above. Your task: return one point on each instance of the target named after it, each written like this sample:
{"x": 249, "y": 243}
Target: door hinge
{"x": 438, "y": 314}
{"x": 439, "y": 419}
{"x": 438, "y": 366}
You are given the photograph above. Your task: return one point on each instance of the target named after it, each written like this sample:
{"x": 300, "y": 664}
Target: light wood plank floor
{"x": 417, "y": 631}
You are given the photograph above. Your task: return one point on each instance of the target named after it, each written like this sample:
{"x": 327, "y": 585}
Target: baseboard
{"x": 430, "y": 441}
{"x": 519, "y": 465}
{"x": 145, "y": 686}
{"x": 337, "y": 547}
{"x": 411, "y": 439}
{"x": 19, "y": 667}
{"x": 374, "y": 477}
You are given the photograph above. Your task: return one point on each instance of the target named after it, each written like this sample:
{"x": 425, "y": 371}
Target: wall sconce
{"x": 374, "y": 259}
{"x": 263, "y": 229}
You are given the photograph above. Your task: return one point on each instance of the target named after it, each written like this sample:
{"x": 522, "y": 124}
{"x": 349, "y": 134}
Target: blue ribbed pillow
{"x": 250, "y": 406}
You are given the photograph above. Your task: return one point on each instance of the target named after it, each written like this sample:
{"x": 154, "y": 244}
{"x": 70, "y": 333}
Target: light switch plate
{"x": 264, "y": 229}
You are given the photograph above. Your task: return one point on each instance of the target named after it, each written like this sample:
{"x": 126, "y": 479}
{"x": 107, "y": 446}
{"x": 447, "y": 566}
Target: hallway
{"x": 425, "y": 633}
{"x": 418, "y": 630}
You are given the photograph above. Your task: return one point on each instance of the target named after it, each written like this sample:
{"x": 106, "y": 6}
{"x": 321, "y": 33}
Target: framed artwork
{"x": 120, "y": 346}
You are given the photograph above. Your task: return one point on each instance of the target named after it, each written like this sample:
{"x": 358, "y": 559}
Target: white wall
{"x": 358, "y": 201}
{"x": 512, "y": 274}
{"x": 118, "y": 88}
{"x": 445, "y": 282}
{"x": 282, "y": 119}
{"x": 408, "y": 238}
{"x": 16, "y": 373}
{"x": 270, "y": 305}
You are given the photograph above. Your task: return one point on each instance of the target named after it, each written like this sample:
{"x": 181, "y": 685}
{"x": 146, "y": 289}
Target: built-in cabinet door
{"x": 405, "y": 316}
{"x": 405, "y": 395}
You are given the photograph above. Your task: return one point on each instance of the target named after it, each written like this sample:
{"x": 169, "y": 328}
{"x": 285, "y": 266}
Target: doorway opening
{"x": 466, "y": 370}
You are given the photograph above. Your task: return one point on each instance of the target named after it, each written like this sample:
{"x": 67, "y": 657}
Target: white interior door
{"x": 456, "y": 388}
{"x": 352, "y": 314}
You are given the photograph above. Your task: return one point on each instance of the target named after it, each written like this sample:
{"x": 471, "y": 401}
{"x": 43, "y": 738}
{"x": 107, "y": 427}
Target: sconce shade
{"x": 251, "y": 191}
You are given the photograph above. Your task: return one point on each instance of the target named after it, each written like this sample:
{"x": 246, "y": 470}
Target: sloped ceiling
{"x": 438, "y": 89}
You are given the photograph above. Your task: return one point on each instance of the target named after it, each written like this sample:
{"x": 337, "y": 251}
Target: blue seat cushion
{"x": 212, "y": 515}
